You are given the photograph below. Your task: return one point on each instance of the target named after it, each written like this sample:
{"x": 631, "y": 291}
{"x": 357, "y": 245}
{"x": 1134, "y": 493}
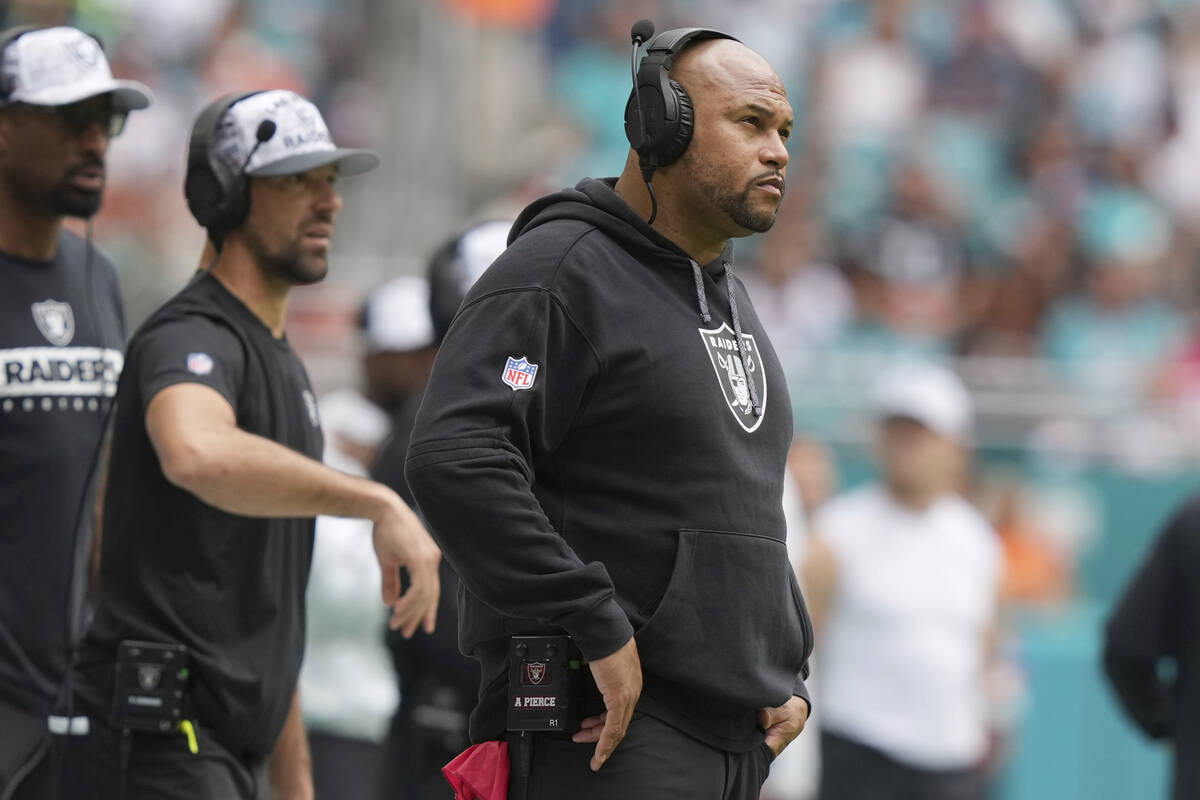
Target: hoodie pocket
{"x": 731, "y": 626}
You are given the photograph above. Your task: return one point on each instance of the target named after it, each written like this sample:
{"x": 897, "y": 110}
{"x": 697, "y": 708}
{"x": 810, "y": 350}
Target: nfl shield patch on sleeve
{"x": 519, "y": 373}
{"x": 199, "y": 363}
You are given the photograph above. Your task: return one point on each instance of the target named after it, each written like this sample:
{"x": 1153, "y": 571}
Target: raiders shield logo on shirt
{"x": 733, "y": 377}
{"x": 55, "y": 320}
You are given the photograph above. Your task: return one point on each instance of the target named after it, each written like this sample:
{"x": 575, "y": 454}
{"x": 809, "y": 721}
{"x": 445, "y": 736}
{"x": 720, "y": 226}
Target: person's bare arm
{"x": 819, "y": 576}
{"x": 195, "y": 435}
{"x": 97, "y": 513}
{"x": 290, "y": 768}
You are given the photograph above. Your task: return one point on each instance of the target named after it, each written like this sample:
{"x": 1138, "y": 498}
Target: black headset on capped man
{"x": 659, "y": 116}
{"x": 217, "y": 194}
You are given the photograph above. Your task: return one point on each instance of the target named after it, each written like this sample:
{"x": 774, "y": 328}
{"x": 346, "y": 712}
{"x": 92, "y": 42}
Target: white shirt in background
{"x": 347, "y": 683}
{"x": 902, "y": 649}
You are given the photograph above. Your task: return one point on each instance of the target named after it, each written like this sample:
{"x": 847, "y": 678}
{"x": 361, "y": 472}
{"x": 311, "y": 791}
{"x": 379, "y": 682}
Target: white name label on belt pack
{"x": 535, "y": 702}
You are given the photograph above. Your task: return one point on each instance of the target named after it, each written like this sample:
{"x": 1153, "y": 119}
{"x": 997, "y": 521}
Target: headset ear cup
{"x": 672, "y": 149}
{"x": 215, "y": 192}
{"x": 633, "y": 128}
{"x": 204, "y": 194}
{"x": 654, "y": 111}
{"x": 238, "y": 204}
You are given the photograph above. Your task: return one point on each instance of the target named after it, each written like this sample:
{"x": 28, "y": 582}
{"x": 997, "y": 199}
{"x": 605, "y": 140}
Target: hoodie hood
{"x": 596, "y": 202}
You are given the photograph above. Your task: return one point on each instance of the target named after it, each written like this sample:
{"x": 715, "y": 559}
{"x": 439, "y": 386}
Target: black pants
{"x": 653, "y": 762}
{"x": 852, "y": 771}
{"x": 28, "y": 767}
{"x": 415, "y": 756}
{"x": 345, "y": 768}
{"x": 99, "y": 766}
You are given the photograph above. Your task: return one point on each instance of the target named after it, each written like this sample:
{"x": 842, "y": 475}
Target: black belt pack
{"x": 543, "y": 683}
{"x": 150, "y": 686}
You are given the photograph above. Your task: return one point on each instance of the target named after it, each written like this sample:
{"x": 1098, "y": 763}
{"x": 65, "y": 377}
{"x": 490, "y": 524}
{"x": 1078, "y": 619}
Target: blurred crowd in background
{"x": 1006, "y": 186}
{"x": 1005, "y": 182}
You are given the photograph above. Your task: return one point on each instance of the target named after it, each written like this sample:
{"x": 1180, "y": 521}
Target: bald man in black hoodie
{"x": 601, "y": 450}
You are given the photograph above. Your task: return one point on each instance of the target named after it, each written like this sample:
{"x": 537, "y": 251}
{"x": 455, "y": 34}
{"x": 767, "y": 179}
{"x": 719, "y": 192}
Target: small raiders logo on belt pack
{"x": 534, "y": 672}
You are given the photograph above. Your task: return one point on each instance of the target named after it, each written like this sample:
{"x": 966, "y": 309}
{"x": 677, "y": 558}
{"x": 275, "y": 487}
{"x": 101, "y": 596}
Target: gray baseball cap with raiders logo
{"x": 300, "y": 142}
{"x": 60, "y": 66}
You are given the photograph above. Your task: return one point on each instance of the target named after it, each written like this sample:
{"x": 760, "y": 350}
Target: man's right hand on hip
{"x": 619, "y": 679}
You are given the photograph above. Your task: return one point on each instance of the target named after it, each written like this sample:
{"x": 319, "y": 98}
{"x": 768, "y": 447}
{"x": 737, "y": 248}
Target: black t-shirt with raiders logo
{"x": 62, "y": 333}
{"x": 176, "y": 570}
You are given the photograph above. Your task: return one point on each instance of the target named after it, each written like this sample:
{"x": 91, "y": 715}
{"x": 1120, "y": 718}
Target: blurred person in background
{"x": 911, "y": 264}
{"x": 61, "y": 348}
{"x": 811, "y": 480}
{"x": 214, "y": 486}
{"x": 437, "y": 682}
{"x": 804, "y": 303}
{"x": 1106, "y": 342}
{"x": 984, "y": 82}
{"x": 1038, "y": 570}
{"x": 1152, "y": 646}
{"x": 871, "y": 84}
{"x": 347, "y": 686}
{"x": 903, "y": 577}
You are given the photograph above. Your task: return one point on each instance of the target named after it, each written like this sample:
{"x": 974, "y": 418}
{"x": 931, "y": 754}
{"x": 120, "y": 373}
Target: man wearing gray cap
{"x": 62, "y": 333}
{"x": 188, "y": 674}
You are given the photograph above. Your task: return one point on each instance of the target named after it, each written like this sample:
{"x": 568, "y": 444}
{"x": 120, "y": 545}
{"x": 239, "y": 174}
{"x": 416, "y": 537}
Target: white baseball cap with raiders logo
{"x": 63, "y": 65}
{"x": 300, "y": 141}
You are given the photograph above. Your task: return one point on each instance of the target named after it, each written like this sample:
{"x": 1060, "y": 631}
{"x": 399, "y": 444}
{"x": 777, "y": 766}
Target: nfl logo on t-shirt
{"x": 519, "y": 373}
{"x": 199, "y": 363}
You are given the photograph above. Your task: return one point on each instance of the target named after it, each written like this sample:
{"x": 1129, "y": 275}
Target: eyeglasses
{"x": 77, "y": 118}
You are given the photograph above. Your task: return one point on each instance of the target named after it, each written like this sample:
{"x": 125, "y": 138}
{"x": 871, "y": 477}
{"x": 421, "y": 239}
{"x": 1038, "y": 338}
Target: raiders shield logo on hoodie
{"x": 734, "y": 377}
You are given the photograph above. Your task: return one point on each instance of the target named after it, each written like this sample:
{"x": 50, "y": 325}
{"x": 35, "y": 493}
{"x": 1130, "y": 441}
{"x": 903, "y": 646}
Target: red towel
{"x": 480, "y": 772}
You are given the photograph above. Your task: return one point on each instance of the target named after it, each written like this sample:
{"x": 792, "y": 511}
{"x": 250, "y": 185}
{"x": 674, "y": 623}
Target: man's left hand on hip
{"x": 783, "y": 724}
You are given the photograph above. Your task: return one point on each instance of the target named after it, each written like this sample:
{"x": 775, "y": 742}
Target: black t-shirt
{"x": 175, "y": 569}
{"x": 62, "y": 333}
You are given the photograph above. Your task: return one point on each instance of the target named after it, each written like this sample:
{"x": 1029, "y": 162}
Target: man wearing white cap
{"x": 902, "y": 580}
{"x": 62, "y": 334}
{"x": 188, "y": 673}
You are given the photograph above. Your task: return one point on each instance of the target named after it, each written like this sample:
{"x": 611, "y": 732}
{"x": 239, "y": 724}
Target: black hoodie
{"x": 593, "y": 458}
{"x": 1157, "y": 620}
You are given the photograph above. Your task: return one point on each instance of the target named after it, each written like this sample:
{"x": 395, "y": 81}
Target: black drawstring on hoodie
{"x": 743, "y": 351}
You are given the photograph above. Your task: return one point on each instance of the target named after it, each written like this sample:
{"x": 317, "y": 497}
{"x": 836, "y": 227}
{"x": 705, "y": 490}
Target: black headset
{"x": 216, "y": 192}
{"x": 659, "y": 115}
